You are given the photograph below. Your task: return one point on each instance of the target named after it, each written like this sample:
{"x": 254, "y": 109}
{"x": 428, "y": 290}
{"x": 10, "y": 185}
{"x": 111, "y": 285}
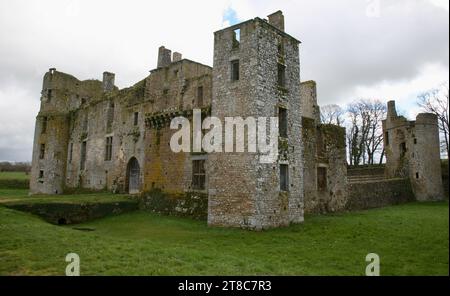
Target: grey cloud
{"x": 342, "y": 48}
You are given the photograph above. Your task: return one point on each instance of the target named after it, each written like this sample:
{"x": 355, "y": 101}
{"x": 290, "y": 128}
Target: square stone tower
{"x": 256, "y": 73}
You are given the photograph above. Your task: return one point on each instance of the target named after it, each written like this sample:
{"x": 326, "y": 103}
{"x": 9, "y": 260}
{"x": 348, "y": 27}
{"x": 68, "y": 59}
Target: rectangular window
{"x": 49, "y": 94}
{"x": 236, "y": 38}
{"x": 284, "y": 177}
{"x": 281, "y": 75}
{"x": 44, "y": 124}
{"x": 70, "y": 152}
{"x": 282, "y": 122}
{"x": 198, "y": 174}
{"x": 85, "y": 124}
{"x": 110, "y": 117}
{"x": 42, "y": 152}
{"x": 403, "y": 149}
{"x": 280, "y": 48}
{"x": 321, "y": 179}
{"x": 200, "y": 96}
{"x": 41, "y": 174}
{"x": 136, "y": 118}
{"x": 235, "y": 70}
{"x": 83, "y": 155}
{"x": 417, "y": 175}
{"x": 386, "y": 136}
{"x": 415, "y": 141}
{"x": 108, "y": 148}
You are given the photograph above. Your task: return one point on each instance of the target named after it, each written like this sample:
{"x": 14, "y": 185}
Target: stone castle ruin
{"x": 90, "y": 134}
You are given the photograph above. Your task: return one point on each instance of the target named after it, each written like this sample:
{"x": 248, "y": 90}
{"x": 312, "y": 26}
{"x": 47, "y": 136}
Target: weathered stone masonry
{"x": 250, "y": 195}
{"x": 90, "y": 134}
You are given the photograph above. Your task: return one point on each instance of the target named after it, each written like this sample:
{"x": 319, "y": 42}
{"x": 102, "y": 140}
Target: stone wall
{"x": 68, "y": 213}
{"x": 189, "y": 204}
{"x": 375, "y": 170}
{"x": 325, "y": 170}
{"x": 367, "y": 195}
{"x": 445, "y": 184}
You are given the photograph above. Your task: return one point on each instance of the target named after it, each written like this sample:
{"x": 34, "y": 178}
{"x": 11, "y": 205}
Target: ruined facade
{"x": 413, "y": 151}
{"x": 324, "y": 158}
{"x": 91, "y": 135}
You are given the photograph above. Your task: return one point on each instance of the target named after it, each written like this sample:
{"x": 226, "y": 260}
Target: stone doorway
{"x": 134, "y": 176}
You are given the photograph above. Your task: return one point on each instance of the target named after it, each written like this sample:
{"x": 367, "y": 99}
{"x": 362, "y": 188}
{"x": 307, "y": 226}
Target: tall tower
{"x": 412, "y": 151}
{"x": 425, "y": 163}
{"x": 50, "y": 138}
{"x": 256, "y": 73}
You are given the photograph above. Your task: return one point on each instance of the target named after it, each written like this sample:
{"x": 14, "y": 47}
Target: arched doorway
{"x": 134, "y": 176}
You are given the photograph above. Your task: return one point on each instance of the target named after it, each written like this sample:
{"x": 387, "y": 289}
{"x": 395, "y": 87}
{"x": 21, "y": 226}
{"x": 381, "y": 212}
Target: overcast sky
{"x": 385, "y": 49}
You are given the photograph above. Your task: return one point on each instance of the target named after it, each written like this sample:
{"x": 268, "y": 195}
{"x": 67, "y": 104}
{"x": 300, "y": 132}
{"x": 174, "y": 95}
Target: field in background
{"x": 14, "y": 176}
{"x": 14, "y": 180}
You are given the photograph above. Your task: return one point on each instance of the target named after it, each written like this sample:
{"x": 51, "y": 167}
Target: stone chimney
{"x": 391, "y": 112}
{"x": 277, "y": 20}
{"x": 164, "y": 57}
{"x": 177, "y": 57}
{"x": 108, "y": 81}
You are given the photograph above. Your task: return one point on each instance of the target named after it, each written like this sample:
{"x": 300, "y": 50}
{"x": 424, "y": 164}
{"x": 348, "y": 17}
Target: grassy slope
{"x": 411, "y": 239}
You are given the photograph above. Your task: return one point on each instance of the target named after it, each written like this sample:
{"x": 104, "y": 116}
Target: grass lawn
{"x": 411, "y": 239}
{"x": 18, "y": 196}
{"x": 14, "y": 176}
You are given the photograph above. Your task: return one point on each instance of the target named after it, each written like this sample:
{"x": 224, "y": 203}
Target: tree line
{"x": 6, "y": 166}
{"x": 363, "y": 122}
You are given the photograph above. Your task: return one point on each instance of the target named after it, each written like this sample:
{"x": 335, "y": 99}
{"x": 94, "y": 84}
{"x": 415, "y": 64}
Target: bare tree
{"x": 436, "y": 101}
{"x": 355, "y": 134}
{"x": 332, "y": 114}
{"x": 365, "y": 135}
{"x": 376, "y": 112}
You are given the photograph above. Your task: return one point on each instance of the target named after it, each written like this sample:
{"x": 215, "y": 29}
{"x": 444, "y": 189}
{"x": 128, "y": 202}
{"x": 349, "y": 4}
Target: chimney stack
{"x": 391, "y": 112}
{"x": 108, "y": 81}
{"x": 176, "y": 57}
{"x": 164, "y": 57}
{"x": 277, "y": 20}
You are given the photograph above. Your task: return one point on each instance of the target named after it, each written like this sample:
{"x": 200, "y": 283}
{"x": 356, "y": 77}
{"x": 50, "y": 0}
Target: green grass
{"x": 20, "y": 196}
{"x": 14, "y": 176}
{"x": 14, "y": 180}
{"x": 411, "y": 239}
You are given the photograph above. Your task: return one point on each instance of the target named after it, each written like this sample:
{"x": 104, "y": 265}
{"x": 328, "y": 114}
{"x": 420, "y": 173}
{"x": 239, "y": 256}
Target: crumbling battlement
{"x": 413, "y": 151}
